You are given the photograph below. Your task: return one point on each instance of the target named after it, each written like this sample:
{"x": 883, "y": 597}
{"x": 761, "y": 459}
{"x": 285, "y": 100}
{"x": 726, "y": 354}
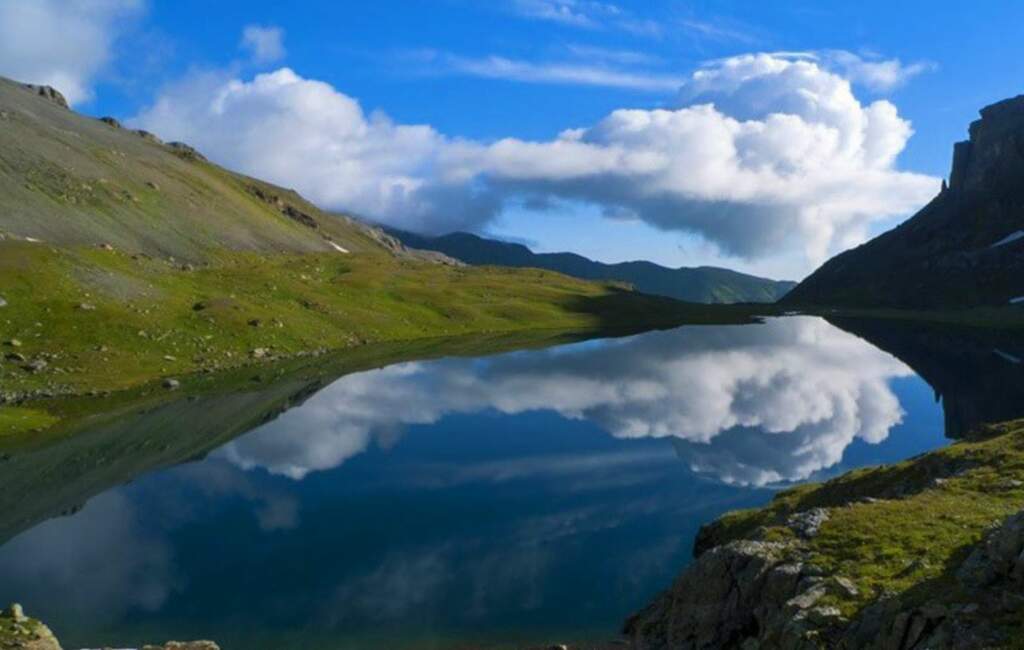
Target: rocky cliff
{"x": 964, "y": 249}
{"x": 928, "y": 553}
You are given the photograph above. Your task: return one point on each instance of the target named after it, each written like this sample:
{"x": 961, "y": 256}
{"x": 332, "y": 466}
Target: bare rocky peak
{"x": 994, "y": 154}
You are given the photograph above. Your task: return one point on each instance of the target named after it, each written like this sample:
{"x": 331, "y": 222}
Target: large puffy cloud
{"x": 766, "y": 153}
{"x": 62, "y": 43}
{"x": 798, "y": 388}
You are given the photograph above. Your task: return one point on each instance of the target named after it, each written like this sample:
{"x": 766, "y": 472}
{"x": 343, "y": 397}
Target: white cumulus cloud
{"x": 763, "y": 155}
{"x": 264, "y": 44}
{"x": 61, "y": 43}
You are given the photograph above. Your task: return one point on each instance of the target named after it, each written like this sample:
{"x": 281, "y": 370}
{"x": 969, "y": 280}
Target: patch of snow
{"x": 338, "y": 248}
{"x": 1005, "y": 355}
{"x": 1012, "y": 237}
{"x": 34, "y": 240}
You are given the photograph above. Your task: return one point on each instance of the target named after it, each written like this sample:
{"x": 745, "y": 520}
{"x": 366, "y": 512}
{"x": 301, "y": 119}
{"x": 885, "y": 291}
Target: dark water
{"x": 531, "y": 496}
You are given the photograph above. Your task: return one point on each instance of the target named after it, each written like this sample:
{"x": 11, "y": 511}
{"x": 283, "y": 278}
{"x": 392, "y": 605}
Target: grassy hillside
{"x": 124, "y": 260}
{"x": 81, "y": 319}
{"x": 68, "y": 180}
{"x": 705, "y": 284}
{"x": 901, "y": 533}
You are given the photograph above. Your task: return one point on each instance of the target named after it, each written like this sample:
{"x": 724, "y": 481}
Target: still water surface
{"x": 529, "y": 496}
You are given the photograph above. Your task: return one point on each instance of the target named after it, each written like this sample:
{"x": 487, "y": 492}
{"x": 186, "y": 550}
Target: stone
{"x": 16, "y": 613}
{"x": 844, "y": 587}
{"x": 146, "y": 135}
{"x": 36, "y": 366}
{"x": 14, "y": 343}
{"x": 186, "y": 152}
{"x": 806, "y": 524}
{"x": 85, "y": 306}
{"x": 171, "y": 384}
{"x": 259, "y": 353}
{"x": 3, "y": 303}
{"x": 15, "y": 356}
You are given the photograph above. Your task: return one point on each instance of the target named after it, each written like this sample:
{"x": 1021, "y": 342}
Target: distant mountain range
{"x": 964, "y": 249}
{"x": 704, "y": 284}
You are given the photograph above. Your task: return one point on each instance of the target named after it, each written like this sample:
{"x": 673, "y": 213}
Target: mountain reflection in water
{"x": 531, "y": 496}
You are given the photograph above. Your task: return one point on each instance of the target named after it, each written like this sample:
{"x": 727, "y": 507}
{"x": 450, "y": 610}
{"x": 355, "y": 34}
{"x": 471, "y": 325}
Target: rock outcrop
{"x": 50, "y": 93}
{"x": 964, "y": 249}
{"x": 19, "y": 632}
{"x": 751, "y": 594}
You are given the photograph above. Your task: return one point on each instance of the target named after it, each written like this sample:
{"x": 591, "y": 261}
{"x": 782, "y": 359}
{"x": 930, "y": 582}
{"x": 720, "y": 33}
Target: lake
{"x": 531, "y": 496}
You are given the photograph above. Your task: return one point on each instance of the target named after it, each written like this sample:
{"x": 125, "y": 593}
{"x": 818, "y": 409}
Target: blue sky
{"x": 476, "y": 73}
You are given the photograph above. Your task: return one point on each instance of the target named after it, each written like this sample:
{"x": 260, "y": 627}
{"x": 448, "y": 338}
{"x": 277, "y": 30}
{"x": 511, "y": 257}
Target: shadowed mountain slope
{"x": 964, "y": 249}
{"x": 705, "y": 284}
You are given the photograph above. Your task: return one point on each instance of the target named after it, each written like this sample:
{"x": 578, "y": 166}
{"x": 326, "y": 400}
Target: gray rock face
{"x": 749, "y": 594}
{"x": 49, "y": 93}
{"x": 742, "y": 594}
{"x": 946, "y": 255}
{"x": 806, "y": 524}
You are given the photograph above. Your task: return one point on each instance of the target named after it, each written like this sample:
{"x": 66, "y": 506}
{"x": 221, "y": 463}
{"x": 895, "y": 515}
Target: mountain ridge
{"x": 705, "y": 284}
{"x": 964, "y": 249}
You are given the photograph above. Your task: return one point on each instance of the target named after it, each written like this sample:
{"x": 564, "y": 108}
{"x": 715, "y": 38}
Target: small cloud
{"x": 567, "y": 12}
{"x": 569, "y": 73}
{"x": 873, "y": 72}
{"x": 586, "y": 14}
{"x": 610, "y": 55}
{"x": 716, "y": 32}
{"x": 264, "y": 44}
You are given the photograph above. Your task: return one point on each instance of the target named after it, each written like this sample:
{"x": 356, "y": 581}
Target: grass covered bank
{"x": 88, "y": 319}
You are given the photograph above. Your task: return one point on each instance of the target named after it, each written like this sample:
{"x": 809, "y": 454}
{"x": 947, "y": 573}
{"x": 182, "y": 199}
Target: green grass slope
{"x": 67, "y": 179}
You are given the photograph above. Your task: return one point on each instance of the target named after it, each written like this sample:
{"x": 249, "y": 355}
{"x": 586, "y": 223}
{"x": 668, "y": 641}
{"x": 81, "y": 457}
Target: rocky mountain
{"x": 964, "y": 249}
{"x": 67, "y": 179}
{"x": 704, "y": 284}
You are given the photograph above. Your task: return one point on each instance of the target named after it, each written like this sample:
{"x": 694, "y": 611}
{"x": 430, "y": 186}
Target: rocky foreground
{"x": 925, "y": 554}
{"x": 20, "y": 632}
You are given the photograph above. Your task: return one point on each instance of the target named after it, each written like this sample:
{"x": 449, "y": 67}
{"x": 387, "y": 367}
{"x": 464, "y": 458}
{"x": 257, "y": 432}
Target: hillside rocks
{"x": 186, "y": 152}
{"x": 49, "y": 93}
{"x": 752, "y": 594}
{"x": 964, "y": 249}
{"x": 19, "y": 632}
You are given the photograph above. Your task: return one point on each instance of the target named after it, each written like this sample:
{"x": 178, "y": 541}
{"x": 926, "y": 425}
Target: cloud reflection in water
{"x": 747, "y": 405}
